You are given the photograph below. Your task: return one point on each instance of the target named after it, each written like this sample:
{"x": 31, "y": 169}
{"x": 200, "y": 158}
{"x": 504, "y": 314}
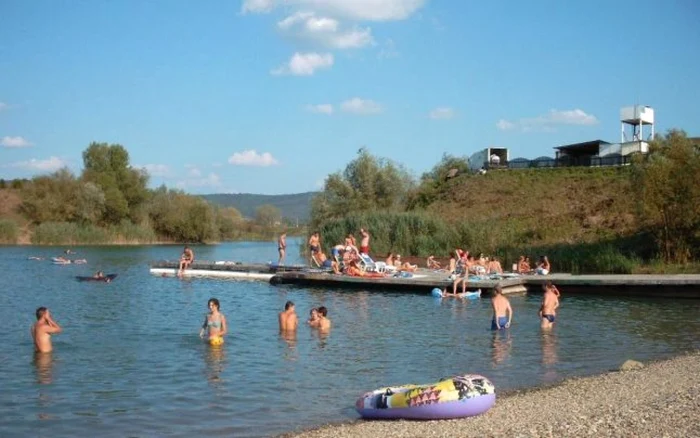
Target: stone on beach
{"x": 631, "y": 365}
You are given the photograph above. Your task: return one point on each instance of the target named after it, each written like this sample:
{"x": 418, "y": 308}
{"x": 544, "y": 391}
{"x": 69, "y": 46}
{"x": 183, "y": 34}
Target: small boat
{"x": 105, "y": 279}
{"x": 454, "y": 397}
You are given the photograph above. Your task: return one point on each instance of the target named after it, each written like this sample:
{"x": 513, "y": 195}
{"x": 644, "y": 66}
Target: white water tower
{"x": 633, "y": 120}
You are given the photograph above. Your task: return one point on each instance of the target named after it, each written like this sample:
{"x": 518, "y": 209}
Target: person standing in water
{"x": 288, "y": 318}
{"x": 282, "y": 247}
{"x": 324, "y": 324}
{"x": 214, "y": 323}
{"x": 550, "y": 302}
{"x": 502, "y": 312}
{"x": 43, "y": 329}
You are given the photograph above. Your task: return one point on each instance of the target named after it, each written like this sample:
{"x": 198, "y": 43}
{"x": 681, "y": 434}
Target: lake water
{"x": 130, "y": 362}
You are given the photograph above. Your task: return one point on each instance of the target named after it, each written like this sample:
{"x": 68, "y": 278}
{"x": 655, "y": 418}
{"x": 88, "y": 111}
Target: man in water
{"x": 288, "y": 318}
{"x": 364, "y": 243}
{"x": 43, "y": 329}
{"x": 186, "y": 260}
{"x": 550, "y": 302}
{"x": 502, "y": 312}
{"x": 324, "y": 324}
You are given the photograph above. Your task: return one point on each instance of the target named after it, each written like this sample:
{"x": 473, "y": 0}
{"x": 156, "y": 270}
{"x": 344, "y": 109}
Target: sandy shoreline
{"x": 660, "y": 400}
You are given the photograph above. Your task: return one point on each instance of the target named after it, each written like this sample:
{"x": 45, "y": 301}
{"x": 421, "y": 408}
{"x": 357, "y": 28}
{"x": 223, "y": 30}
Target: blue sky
{"x": 270, "y": 96}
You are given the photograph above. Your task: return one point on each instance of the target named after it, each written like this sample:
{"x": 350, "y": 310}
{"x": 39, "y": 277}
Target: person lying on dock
{"x": 186, "y": 260}
{"x": 353, "y": 270}
{"x": 323, "y": 261}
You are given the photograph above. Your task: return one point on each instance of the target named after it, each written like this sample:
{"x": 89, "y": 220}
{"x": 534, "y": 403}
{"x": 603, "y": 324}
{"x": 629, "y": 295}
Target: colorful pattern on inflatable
{"x": 453, "y": 397}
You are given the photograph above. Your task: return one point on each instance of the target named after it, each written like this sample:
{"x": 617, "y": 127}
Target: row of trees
{"x": 110, "y": 192}
{"x": 666, "y": 190}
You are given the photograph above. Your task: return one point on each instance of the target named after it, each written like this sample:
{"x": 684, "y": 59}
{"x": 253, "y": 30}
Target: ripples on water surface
{"x": 130, "y": 362}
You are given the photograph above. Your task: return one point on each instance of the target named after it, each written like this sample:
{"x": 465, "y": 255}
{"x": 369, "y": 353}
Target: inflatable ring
{"x": 454, "y": 397}
{"x": 216, "y": 340}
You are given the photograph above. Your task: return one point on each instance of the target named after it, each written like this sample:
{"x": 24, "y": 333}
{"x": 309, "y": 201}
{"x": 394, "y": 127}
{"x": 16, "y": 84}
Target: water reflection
{"x": 43, "y": 363}
{"x": 501, "y": 344}
{"x": 322, "y": 336}
{"x": 215, "y": 362}
{"x": 290, "y": 338}
{"x": 550, "y": 357}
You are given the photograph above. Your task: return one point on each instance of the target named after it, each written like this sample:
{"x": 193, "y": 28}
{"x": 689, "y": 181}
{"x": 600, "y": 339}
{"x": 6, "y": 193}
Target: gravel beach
{"x": 660, "y": 400}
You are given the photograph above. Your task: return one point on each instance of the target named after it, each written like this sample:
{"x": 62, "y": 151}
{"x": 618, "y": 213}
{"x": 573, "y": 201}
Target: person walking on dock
{"x": 282, "y": 248}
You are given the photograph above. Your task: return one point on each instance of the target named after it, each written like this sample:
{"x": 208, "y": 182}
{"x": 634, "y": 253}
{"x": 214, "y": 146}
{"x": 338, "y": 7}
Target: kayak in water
{"x": 104, "y": 279}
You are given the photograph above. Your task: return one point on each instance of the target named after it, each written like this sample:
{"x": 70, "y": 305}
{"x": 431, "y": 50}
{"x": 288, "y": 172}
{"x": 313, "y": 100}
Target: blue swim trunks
{"x": 549, "y": 318}
{"x": 326, "y": 264}
{"x": 502, "y": 321}
{"x": 335, "y": 252}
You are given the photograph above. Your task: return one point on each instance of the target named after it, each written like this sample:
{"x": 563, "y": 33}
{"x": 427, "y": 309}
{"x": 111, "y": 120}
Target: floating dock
{"x": 223, "y": 269}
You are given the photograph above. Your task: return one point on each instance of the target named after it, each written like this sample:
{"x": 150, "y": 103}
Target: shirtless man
{"x": 186, "y": 260}
{"x": 288, "y": 318}
{"x": 501, "y": 308}
{"x": 43, "y": 329}
{"x": 282, "y": 247}
{"x": 324, "y": 324}
{"x": 364, "y": 242}
{"x": 550, "y": 302}
{"x": 314, "y": 243}
{"x": 495, "y": 266}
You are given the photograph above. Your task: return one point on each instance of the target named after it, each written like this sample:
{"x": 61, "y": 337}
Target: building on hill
{"x": 489, "y": 158}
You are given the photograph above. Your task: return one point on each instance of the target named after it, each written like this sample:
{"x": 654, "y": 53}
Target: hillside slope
{"x": 543, "y": 206}
{"x": 295, "y": 206}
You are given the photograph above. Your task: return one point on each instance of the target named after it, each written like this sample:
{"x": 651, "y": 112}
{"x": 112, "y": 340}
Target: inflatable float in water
{"x": 216, "y": 341}
{"x": 105, "y": 279}
{"x": 453, "y": 397}
{"x": 437, "y": 293}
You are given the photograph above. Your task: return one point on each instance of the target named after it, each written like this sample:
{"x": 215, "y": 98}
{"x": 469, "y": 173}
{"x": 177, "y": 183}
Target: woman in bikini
{"x": 214, "y": 323}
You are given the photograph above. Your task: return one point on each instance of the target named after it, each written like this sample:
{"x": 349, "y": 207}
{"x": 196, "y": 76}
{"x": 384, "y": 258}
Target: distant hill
{"x": 293, "y": 207}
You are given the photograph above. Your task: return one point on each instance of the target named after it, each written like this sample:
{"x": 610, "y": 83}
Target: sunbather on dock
{"x": 431, "y": 263}
{"x": 404, "y": 266}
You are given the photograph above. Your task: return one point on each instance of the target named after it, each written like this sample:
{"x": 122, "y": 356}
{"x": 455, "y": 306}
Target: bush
{"x": 8, "y": 231}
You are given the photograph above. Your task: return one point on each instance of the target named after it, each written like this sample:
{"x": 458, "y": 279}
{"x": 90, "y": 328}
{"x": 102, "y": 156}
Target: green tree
{"x": 666, "y": 183}
{"x": 368, "y": 183}
{"x": 124, "y": 187}
{"x": 435, "y": 181}
{"x": 51, "y": 198}
{"x": 268, "y": 215}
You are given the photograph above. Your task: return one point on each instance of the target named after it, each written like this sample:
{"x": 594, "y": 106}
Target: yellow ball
{"x": 216, "y": 340}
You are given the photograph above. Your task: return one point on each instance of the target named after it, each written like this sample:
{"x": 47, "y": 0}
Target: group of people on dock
{"x": 503, "y": 312}
{"x": 543, "y": 267}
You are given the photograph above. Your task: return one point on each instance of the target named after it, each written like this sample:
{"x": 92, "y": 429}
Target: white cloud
{"x": 323, "y": 31}
{"x": 258, "y": 6}
{"x": 305, "y": 64}
{"x": 322, "y": 108}
{"x": 3, "y": 106}
{"x": 361, "y": 106}
{"x": 14, "y": 142}
{"x": 252, "y": 158}
{"x": 50, "y": 165}
{"x": 361, "y": 10}
{"x": 442, "y": 113}
{"x": 212, "y": 180}
{"x": 155, "y": 169}
{"x": 549, "y": 121}
{"x": 388, "y": 50}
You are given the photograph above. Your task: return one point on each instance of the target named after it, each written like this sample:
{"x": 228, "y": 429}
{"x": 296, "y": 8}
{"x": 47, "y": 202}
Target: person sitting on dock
{"x": 550, "y": 302}
{"x": 323, "y": 261}
{"x": 543, "y": 266}
{"x": 523, "y": 265}
{"x": 494, "y": 266}
{"x": 186, "y": 260}
{"x": 502, "y": 312}
{"x": 404, "y": 266}
{"x": 431, "y": 263}
{"x": 288, "y": 318}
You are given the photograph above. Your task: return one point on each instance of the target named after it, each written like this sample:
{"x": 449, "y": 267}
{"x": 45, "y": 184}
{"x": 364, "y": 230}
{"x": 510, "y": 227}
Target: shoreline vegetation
{"x": 633, "y": 219}
{"x": 660, "y": 399}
